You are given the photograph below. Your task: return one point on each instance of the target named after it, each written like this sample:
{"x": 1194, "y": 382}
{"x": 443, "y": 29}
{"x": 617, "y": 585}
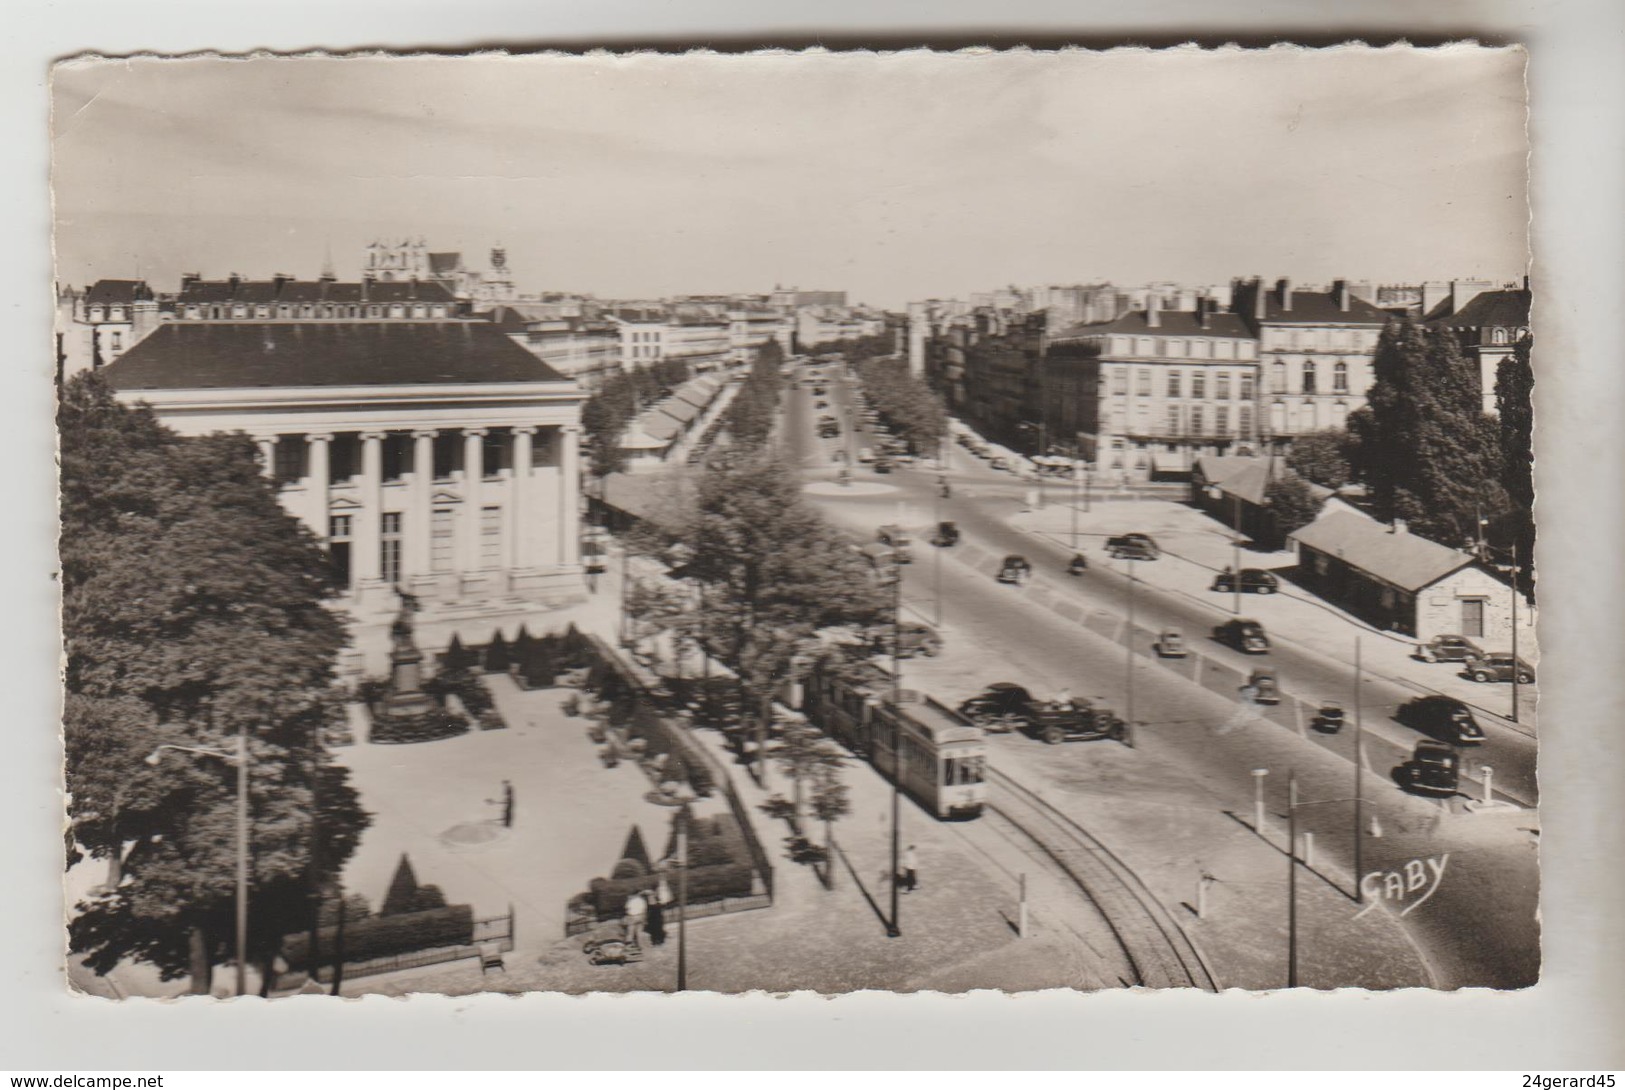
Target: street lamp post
{"x": 893, "y": 928}
{"x": 1076, "y": 474}
{"x": 1359, "y": 775}
{"x": 936, "y": 566}
{"x": 682, "y": 897}
{"x": 240, "y": 759}
{"x": 1516, "y": 668}
{"x": 1128, "y": 709}
{"x": 1258, "y": 799}
{"x": 1292, "y": 880}
{"x": 1235, "y": 551}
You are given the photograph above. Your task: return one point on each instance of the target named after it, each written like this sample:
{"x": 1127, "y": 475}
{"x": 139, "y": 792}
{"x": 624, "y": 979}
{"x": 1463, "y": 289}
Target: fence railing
{"x": 493, "y": 931}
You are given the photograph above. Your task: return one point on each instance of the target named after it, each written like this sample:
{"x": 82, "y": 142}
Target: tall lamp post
{"x": 1128, "y": 710}
{"x": 1517, "y": 668}
{"x": 893, "y": 928}
{"x": 240, "y": 759}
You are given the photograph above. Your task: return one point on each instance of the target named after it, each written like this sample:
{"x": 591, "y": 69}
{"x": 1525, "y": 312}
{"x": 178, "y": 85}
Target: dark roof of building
{"x": 231, "y": 355}
{"x": 1170, "y": 323}
{"x": 1320, "y": 308}
{"x": 1400, "y": 559}
{"x": 1245, "y": 477}
{"x": 312, "y": 291}
{"x": 117, "y": 293}
{"x": 1507, "y": 308}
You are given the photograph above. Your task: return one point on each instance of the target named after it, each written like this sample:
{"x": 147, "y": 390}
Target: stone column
{"x": 519, "y": 544}
{"x": 570, "y": 494}
{"x": 318, "y": 482}
{"x": 369, "y": 518}
{"x": 418, "y": 547}
{"x": 473, "y": 474}
{"x": 267, "y": 454}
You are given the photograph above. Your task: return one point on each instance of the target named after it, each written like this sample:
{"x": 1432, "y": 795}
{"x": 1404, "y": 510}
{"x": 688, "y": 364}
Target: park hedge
{"x": 387, "y": 936}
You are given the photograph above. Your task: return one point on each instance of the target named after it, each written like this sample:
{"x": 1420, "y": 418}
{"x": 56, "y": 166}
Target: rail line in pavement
{"x": 1160, "y": 952}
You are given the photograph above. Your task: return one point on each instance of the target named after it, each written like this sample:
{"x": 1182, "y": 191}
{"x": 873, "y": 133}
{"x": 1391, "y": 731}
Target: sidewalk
{"x": 1195, "y": 548}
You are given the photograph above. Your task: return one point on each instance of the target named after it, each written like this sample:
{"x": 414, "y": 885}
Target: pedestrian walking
{"x": 636, "y": 908}
{"x": 911, "y": 870}
{"x": 507, "y": 805}
{"x": 657, "y": 916}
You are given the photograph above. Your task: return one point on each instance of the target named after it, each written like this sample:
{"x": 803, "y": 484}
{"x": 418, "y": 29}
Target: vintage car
{"x": 1244, "y": 635}
{"x": 947, "y": 535}
{"x": 1132, "y": 547}
{"x": 883, "y": 464}
{"x": 1266, "y": 690}
{"x": 1448, "y": 649}
{"x": 999, "y": 463}
{"x": 1499, "y": 666}
{"x": 1170, "y": 644}
{"x": 1441, "y": 717}
{"x": 1250, "y": 581}
{"x": 1015, "y": 570}
{"x": 1005, "y": 706}
{"x": 912, "y": 639}
{"x": 1434, "y": 770}
{"x": 1328, "y": 718}
{"x": 898, "y": 538}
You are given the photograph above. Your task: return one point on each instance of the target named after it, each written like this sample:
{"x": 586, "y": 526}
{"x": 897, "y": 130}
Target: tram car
{"x": 943, "y": 754}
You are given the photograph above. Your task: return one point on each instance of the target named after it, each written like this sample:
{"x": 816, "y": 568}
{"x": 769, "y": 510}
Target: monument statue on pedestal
{"x": 406, "y": 696}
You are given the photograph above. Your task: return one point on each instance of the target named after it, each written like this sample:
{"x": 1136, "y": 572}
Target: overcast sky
{"x": 894, "y": 178}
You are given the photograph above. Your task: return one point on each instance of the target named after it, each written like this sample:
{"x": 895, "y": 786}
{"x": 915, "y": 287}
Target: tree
{"x": 1322, "y": 457}
{"x": 1514, "y": 402}
{"x": 807, "y": 757}
{"x": 177, "y": 634}
{"x": 1424, "y": 447}
{"x": 906, "y": 403}
{"x": 1292, "y": 502}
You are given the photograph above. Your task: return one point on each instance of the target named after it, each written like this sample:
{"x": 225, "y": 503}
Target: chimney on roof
{"x": 234, "y": 280}
{"x": 1153, "y": 310}
{"x": 1260, "y": 299}
{"x": 1204, "y": 311}
{"x": 1340, "y": 288}
{"x": 188, "y": 279}
{"x": 280, "y": 279}
{"x": 328, "y": 276}
{"x": 1284, "y": 287}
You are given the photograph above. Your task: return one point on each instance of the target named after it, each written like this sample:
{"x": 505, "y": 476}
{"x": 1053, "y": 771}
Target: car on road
{"x": 1132, "y": 547}
{"x": 1015, "y": 570}
{"x": 865, "y": 455}
{"x": 947, "y": 535}
{"x": 818, "y": 391}
{"x": 913, "y": 639}
{"x": 1441, "y": 717}
{"x": 1170, "y": 644}
{"x": 1434, "y": 770}
{"x": 822, "y": 405}
{"x": 1243, "y": 635}
{"x": 1266, "y": 690}
{"x": 883, "y": 464}
{"x": 898, "y": 538}
{"x": 1005, "y": 706}
{"x": 999, "y": 463}
{"x": 1448, "y": 648}
{"x": 1250, "y": 580}
{"x": 1328, "y": 718}
{"x": 1499, "y": 666}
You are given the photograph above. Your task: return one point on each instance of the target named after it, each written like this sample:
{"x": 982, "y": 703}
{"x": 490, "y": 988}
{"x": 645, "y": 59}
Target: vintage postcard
{"x": 797, "y": 521}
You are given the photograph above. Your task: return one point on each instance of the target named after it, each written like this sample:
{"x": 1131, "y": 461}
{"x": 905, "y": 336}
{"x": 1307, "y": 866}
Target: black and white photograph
{"x": 827, "y": 521}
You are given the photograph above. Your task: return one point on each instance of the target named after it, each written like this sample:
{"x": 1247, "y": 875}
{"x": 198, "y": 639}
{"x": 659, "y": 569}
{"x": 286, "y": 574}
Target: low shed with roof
{"x": 1402, "y": 582}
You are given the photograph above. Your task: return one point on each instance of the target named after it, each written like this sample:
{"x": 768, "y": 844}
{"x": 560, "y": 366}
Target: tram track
{"x": 1159, "y": 952}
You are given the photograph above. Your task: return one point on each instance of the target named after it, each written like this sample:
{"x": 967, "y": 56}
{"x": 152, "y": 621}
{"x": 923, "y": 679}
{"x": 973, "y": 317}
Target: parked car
{"x": 1015, "y": 569}
{"x": 1266, "y": 690}
{"x": 913, "y": 639}
{"x": 883, "y": 464}
{"x": 1133, "y": 547}
{"x": 1243, "y": 635}
{"x": 865, "y": 455}
{"x": 1004, "y": 706}
{"x": 822, "y": 405}
{"x": 947, "y": 535}
{"x": 1434, "y": 770}
{"x": 1448, "y": 649}
{"x": 1441, "y": 717}
{"x": 1252, "y": 581}
{"x": 897, "y": 537}
{"x": 1328, "y": 718}
{"x": 1500, "y": 666}
{"x": 1170, "y": 644}
{"x": 999, "y": 463}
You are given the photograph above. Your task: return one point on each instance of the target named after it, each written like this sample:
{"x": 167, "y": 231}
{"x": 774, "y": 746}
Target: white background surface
{"x": 1570, "y": 1021}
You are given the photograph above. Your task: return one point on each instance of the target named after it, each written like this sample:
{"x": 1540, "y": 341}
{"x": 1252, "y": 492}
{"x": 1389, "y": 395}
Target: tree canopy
{"x": 1423, "y": 445}
{"x": 606, "y": 415}
{"x": 1514, "y": 402}
{"x": 1322, "y": 457}
{"x": 193, "y": 609}
{"x": 906, "y": 403}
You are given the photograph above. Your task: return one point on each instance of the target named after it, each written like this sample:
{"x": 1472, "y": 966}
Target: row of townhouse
{"x": 1147, "y": 392}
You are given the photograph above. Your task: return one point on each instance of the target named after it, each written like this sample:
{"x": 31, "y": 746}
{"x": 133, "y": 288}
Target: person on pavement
{"x": 636, "y": 906}
{"x": 911, "y": 870}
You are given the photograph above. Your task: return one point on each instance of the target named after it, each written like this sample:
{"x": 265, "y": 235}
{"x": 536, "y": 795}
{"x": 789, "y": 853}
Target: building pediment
{"x": 445, "y": 495}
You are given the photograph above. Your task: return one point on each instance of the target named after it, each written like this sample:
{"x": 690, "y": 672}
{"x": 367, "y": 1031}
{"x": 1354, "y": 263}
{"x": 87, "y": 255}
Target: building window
{"x": 1199, "y": 384}
{"x": 1119, "y": 380}
{"x": 338, "y": 548}
{"x": 1173, "y": 420}
{"x": 1278, "y": 377}
{"x": 1472, "y": 617}
{"x": 1196, "y": 420}
{"x": 289, "y": 459}
{"x": 1497, "y": 336}
{"x": 343, "y": 457}
{"x": 1340, "y": 377}
{"x": 442, "y": 530}
{"x": 397, "y": 456}
{"x": 1309, "y": 374}
{"x": 1244, "y": 420}
{"x": 1221, "y": 420}
{"x": 495, "y": 450}
{"x": 1142, "y": 382}
{"x": 118, "y": 341}
{"x": 1173, "y": 383}
{"x": 389, "y": 548}
{"x": 1221, "y": 386}
{"x": 1248, "y": 386}
{"x": 447, "y": 453}
{"x": 490, "y": 537}
{"x": 1340, "y": 415}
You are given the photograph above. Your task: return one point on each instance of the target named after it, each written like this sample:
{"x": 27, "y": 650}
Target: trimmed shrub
{"x": 457, "y": 657}
{"x": 387, "y": 936}
{"x": 356, "y": 909}
{"x": 491, "y": 719}
{"x": 430, "y": 726}
{"x": 628, "y": 868}
{"x": 497, "y": 657}
{"x": 403, "y": 887}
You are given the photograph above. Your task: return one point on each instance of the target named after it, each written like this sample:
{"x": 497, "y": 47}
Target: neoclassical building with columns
{"x": 435, "y": 456}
